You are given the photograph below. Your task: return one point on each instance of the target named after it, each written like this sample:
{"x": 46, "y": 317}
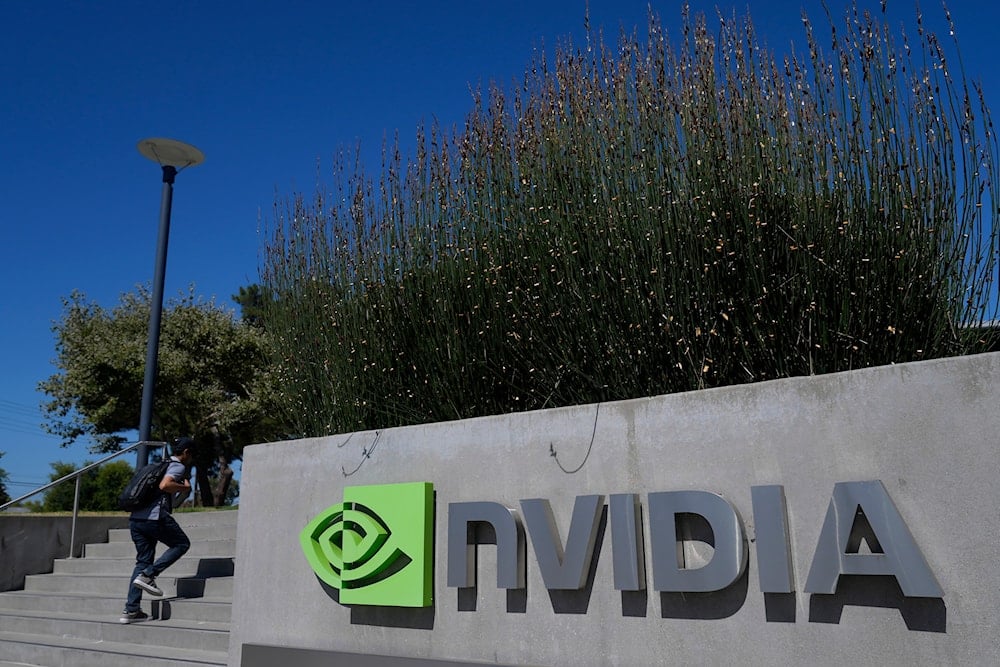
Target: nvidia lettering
{"x": 376, "y": 546}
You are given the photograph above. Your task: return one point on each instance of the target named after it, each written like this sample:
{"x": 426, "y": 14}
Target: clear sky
{"x": 268, "y": 90}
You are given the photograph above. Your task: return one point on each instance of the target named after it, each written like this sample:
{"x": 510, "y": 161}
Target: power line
{"x": 6, "y": 424}
{"x": 26, "y": 431}
{"x": 22, "y": 408}
{"x": 18, "y": 421}
{"x": 22, "y": 419}
{"x": 31, "y": 485}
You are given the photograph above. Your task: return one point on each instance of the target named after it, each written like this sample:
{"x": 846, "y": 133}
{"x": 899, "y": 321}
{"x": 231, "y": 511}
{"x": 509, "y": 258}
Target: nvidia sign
{"x": 376, "y": 547}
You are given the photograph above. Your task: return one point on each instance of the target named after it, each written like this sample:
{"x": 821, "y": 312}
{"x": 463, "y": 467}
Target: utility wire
{"x": 22, "y": 408}
{"x": 22, "y": 419}
{"x": 20, "y": 430}
{"x": 31, "y": 485}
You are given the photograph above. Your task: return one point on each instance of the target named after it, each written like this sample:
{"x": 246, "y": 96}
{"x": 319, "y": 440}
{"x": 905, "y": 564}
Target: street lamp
{"x": 172, "y": 156}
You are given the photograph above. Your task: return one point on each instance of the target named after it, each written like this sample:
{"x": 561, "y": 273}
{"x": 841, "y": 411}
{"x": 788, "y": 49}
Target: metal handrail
{"x": 78, "y": 475}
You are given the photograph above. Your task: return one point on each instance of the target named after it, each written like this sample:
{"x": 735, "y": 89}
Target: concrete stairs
{"x": 69, "y": 618}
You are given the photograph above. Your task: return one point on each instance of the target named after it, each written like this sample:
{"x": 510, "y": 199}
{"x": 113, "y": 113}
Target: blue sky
{"x": 268, "y": 90}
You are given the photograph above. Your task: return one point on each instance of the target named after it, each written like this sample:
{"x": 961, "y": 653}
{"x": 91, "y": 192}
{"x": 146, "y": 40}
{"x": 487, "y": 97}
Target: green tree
{"x": 99, "y": 488}
{"x": 252, "y": 304}
{"x": 211, "y": 382}
{"x": 111, "y": 478}
{"x": 225, "y": 490}
{"x": 4, "y": 497}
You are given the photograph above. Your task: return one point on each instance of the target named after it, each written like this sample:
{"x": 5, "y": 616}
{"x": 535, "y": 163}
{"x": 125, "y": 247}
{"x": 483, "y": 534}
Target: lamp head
{"x": 170, "y": 153}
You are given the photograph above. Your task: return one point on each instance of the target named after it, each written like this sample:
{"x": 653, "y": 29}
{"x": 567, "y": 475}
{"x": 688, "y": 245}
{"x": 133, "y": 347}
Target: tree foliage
{"x": 657, "y": 217}
{"x": 211, "y": 381}
{"x": 99, "y": 488}
{"x": 251, "y": 301}
{"x": 4, "y": 497}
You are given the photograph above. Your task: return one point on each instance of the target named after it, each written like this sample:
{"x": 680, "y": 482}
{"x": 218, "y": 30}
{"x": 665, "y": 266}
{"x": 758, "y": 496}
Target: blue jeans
{"x": 145, "y": 535}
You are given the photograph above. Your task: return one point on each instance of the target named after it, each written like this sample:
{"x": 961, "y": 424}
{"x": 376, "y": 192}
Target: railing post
{"x": 76, "y": 509}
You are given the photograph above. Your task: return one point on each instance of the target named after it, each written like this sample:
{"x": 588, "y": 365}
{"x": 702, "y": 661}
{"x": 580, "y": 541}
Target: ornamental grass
{"x": 664, "y": 215}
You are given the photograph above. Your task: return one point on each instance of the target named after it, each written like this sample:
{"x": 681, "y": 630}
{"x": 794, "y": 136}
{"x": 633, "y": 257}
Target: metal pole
{"x": 155, "y": 313}
{"x": 76, "y": 510}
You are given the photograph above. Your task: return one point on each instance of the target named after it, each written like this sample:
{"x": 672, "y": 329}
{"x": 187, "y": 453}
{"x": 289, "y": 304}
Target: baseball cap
{"x": 181, "y": 445}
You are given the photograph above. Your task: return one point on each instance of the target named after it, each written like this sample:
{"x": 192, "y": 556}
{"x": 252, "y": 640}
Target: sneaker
{"x": 148, "y": 584}
{"x": 133, "y": 616}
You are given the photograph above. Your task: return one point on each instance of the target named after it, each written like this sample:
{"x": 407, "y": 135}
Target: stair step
{"x": 215, "y": 610}
{"x": 106, "y": 584}
{"x": 73, "y": 652}
{"x": 207, "y": 518}
{"x": 199, "y": 549}
{"x": 185, "y": 567}
{"x": 196, "y": 533}
{"x": 202, "y": 636}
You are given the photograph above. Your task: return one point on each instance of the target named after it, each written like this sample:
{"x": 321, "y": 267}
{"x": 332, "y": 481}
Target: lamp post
{"x": 172, "y": 156}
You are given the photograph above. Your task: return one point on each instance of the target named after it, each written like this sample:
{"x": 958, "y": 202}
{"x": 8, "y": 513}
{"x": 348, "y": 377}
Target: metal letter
{"x": 626, "y": 542}
{"x": 729, "y": 541}
{"x": 774, "y": 557}
{"x": 901, "y": 556}
{"x": 563, "y": 570}
{"x": 462, "y": 544}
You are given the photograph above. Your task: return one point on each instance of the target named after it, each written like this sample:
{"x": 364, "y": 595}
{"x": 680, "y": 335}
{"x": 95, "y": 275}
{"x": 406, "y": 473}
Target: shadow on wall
{"x": 706, "y": 606}
{"x": 419, "y": 618}
{"x": 919, "y": 614}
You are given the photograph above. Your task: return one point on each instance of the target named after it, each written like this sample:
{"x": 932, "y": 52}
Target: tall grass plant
{"x": 668, "y": 214}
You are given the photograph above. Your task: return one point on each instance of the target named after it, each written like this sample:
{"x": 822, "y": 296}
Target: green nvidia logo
{"x": 375, "y": 548}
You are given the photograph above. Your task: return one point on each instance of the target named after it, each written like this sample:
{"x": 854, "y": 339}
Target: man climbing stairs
{"x": 70, "y": 618}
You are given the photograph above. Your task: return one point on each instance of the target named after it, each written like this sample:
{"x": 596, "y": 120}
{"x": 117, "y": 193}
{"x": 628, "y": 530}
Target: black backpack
{"x": 144, "y": 487}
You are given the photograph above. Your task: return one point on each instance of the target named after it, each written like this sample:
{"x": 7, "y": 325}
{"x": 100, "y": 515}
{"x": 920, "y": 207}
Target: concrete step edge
{"x": 165, "y": 577}
{"x": 195, "y": 610}
{"x": 193, "y": 541}
{"x": 131, "y": 559}
{"x": 109, "y": 584}
{"x": 125, "y": 535}
{"x": 223, "y": 547}
{"x": 189, "y": 656}
{"x": 98, "y": 596}
{"x": 180, "y": 624}
{"x": 212, "y": 566}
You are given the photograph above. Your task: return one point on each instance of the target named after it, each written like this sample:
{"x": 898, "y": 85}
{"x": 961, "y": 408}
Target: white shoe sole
{"x": 152, "y": 590}
{"x": 127, "y": 621}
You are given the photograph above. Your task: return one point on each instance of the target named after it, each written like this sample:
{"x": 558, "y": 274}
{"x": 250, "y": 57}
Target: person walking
{"x": 154, "y": 523}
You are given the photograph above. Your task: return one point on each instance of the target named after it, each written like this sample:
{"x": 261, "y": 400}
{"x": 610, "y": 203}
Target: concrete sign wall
{"x": 838, "y": 519}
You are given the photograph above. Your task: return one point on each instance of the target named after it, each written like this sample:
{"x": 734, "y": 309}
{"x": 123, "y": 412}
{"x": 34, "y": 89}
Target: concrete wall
{"x": 928, "y": 430}
{"x": 29, "y": 544}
